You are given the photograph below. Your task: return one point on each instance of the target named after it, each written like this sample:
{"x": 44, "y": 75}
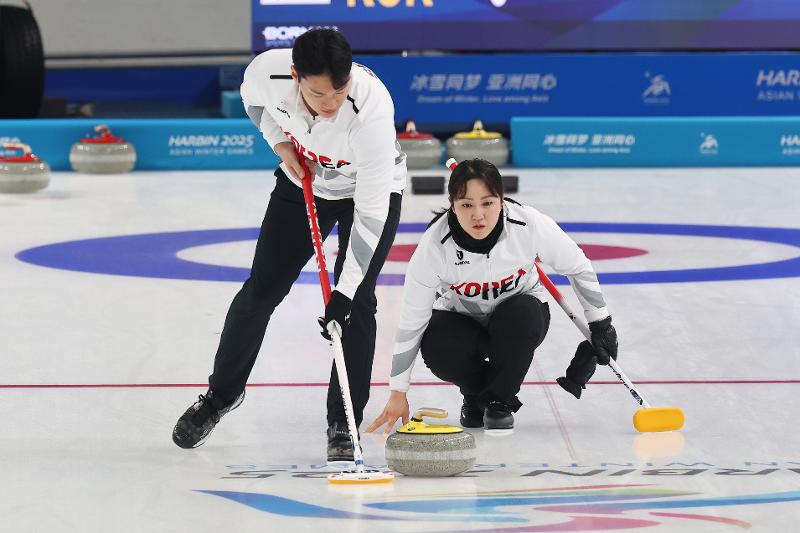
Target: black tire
{"x": 21, "y": 63}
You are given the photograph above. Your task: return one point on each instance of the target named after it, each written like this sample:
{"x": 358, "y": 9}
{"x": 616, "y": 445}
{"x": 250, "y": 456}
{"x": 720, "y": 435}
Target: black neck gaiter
{"x": 470, "y": 244}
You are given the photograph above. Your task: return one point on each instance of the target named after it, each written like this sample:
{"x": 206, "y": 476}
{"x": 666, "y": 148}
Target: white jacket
{"x": 443, "y": 276}
{"x": 353, "y": 155}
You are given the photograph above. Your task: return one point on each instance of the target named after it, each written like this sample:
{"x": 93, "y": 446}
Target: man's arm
{"x": 374, "y": 148}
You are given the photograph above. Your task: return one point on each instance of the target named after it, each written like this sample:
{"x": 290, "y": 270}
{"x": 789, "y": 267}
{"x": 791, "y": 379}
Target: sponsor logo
{"x": 284, "y": 36}
{"x": 658, "y": 91}
{"x": 790, "y": 144}
{"x": 365, "y": 69}
{"x": 284, "y": 112}
{"x": 709, "y": 144}
{"x": 390, "y": 3}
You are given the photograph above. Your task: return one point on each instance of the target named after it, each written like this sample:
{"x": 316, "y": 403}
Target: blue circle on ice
{"x": 155, "y": 255}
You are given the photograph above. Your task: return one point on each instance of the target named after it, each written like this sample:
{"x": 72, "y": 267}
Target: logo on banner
{"x": 295, "y": 2}
{"x": 790, "y": 144}
{"x": 390, "y": 3}
{"x": 777, "y": 85}
{"x": 498, "y": 88}
{"x": 658, "y": 92}
{"x": 210, "y": 145}
{"x": 709, "y": 144}
{"x": 284, "y": 36}
{"x": 586, "y": 143}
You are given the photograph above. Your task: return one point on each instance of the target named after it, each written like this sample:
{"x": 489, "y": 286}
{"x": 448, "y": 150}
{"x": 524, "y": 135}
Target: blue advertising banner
{"x": 161, "y": 144}
{"x": 454, "y": 90}
{"x": 543, "y": 25}
{"x": 655, "y": 141}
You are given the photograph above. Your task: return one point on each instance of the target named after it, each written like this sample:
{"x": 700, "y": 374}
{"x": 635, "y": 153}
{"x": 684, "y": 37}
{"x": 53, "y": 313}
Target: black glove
{"x": 604, "y": 340}
{"x": 338, "y": 309}
{"x": 580, "y": 370}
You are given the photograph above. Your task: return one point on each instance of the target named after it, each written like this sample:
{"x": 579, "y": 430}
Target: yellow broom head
{"x": 658, "y": 419}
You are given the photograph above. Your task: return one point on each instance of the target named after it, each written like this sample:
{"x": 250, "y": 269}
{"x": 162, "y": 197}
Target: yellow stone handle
{"x": 433, "y": 412}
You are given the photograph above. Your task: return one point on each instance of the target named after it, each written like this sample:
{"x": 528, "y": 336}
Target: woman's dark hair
{"x": 470, "y": 169}
{"x": 323, "y": 51}
{"x": 474, "y": 169}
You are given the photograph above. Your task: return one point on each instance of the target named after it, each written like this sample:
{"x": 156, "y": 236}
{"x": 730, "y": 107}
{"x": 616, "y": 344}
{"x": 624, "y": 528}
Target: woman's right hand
{"x": 291, "y": 160}
{"x": 396, "y": 407}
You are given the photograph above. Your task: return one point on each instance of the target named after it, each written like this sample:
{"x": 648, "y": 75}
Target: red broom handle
{"x": 316, "y": 235}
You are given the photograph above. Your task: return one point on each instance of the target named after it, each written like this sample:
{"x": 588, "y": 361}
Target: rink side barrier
{"x": 655, "y": 141}
{"x": 161, "y": 144}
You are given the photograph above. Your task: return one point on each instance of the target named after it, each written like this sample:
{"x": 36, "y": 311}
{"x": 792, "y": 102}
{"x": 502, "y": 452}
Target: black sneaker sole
{"x": 499, "y": 428}
{"x": 236, "y": 403}
{"x": 498, "y": 425}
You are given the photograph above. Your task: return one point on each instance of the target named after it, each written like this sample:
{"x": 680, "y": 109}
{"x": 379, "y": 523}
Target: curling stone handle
{"x": 17, "y": 146}
{"x": 433, "y": 412}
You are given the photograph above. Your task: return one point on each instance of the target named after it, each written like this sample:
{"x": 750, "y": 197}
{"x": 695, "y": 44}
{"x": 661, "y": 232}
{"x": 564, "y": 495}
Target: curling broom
{"x": 360, "y": 474}
{"x": 648, "y": 419}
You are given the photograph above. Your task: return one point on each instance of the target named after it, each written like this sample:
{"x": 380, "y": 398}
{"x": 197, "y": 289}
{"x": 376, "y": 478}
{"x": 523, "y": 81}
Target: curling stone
{"x": 103, "y": 154}
{"x": 422, "y": 150}
{"x": 430, "y": 450}
{"x": 480, "y": 144}
{"x": 24, "y": 172}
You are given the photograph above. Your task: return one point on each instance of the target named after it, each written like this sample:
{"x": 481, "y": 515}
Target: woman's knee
{"x": 521, "y": 314}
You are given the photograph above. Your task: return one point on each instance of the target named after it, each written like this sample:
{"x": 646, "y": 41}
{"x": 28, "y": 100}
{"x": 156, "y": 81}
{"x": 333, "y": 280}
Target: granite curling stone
{"x": 430, "y": 450}
{"x": 422, "y": 150}
{"x": 24, "y": 172}
{"x": 103, "y": 154}
{"x": 480, "y": 144}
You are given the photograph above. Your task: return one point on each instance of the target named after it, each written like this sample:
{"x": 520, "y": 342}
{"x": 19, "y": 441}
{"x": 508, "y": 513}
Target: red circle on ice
{"x": 401, "y": 253}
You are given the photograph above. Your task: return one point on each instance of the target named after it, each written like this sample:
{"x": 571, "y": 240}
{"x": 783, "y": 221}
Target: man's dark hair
{"x": 323, "y": 51}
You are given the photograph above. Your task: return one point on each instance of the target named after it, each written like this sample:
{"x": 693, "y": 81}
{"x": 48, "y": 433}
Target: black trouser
{"x": 487, "y": 363}
{"x": 283, "y": 248}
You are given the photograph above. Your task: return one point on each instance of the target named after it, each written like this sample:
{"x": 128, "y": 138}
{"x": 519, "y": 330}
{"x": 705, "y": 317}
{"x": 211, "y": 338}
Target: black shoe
{"x": 471, "y": 413}
{"x": 340, "y": 445}
{"x": 570, "y": 386}
{"x": 197, "y": 423}
{"x": 498, "y": 416}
